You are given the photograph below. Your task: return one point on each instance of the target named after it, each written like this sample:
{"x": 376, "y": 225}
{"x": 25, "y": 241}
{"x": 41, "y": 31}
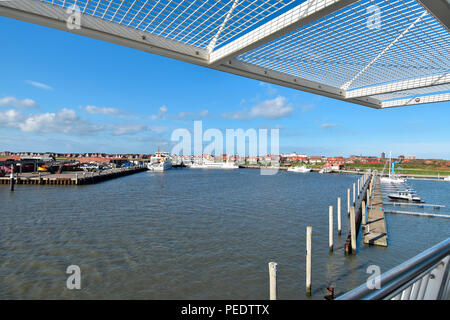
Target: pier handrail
{"x": 425, "y": 276}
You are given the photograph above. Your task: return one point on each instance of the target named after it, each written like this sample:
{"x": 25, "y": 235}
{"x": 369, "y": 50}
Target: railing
{"x": 424, "y": 277}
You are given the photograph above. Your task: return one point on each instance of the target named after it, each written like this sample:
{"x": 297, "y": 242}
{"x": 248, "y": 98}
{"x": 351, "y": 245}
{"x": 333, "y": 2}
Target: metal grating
{"x": 377, "y": 53}
{"x": 200, "y": 23}
{"x": 341, "y": 50}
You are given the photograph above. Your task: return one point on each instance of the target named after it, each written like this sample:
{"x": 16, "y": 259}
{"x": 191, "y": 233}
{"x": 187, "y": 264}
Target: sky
{"x": 61, "y": 92}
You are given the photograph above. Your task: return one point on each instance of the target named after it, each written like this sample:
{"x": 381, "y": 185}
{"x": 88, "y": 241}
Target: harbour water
{"x": 195, "y": 234}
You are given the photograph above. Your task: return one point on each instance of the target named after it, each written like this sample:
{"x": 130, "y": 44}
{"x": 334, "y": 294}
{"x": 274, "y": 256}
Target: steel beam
{"x": 440, "y": 9}
{"x": 258, "y": 73}
{"x": 303, "y": 14}
{"x": 55, "y": 17}
{"x": 400, "y": 86}
{"x": 416, "y": 100}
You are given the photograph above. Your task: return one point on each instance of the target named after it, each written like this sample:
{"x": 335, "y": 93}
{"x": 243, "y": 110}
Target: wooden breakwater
{"x": 70, "y": 178}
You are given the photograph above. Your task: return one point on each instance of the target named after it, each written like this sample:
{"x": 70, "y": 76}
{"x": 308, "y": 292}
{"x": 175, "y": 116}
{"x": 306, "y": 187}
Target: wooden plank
{"x": 375, "y": 231}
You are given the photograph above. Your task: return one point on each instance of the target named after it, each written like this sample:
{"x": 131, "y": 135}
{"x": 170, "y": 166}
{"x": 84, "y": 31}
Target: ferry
{"x": 160, "y": 162}
{"x": 302, "y": 169}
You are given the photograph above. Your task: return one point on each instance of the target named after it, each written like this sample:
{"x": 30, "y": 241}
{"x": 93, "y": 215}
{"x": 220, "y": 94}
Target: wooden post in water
{"x": 368, "y": 198}
{"x": 12, "y": 178}
{"x": 330, "y": 227}
{"x": 359, "y": 186}
{"x": 339, "y": 215}
{"x": 308, "y": 260}
{"x": 353, "y": 229}
{"x": 348, "y": 202}
{"x": 273, "y": 280}
{"x": 354, "y": 194}
{"x": 363, "y": 212}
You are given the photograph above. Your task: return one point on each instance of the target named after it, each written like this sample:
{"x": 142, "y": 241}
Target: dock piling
{"x": 354, "y": 194}
{"x": 353, "y": 229}
{"x": 12, "y": 179}
{"x": 348, "y": 201}
{"x": 339, "y": 216}
{"x": 308, "y": 260}
{"x": 273, "y": 280}
{"x": 330, "y": 228}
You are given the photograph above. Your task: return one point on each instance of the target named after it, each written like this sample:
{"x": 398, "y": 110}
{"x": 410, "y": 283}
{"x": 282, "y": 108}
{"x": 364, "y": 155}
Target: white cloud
{"x": 39, "y": 85}
{"x": 21, "y": 104}
{"x": 64, "y": 121}
{"x": 129, "y": 128}
{"x": 269, "y": 109}
{"x": 162, "y": 111}
{"x": 329, "y": 125}
{"x": 99, "y": 110}
{"x": 184, "y": 115}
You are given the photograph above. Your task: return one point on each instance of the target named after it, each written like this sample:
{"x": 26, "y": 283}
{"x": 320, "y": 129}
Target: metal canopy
{"x": 376, "y": 53}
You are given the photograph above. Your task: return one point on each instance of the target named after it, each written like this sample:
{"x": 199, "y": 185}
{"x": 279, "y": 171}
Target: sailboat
{"x": 392, "y": 177}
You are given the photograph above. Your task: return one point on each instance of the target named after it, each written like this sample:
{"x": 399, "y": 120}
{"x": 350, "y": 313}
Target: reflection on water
{"x": 194, "y": 234}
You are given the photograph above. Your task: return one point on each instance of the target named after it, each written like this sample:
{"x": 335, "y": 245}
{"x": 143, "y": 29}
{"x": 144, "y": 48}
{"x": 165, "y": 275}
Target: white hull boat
{"x": 404, "y": 196}
{"x": 302, "y": 169}
{"x": 214, "y": 165}
{"x": 392, "y": 179}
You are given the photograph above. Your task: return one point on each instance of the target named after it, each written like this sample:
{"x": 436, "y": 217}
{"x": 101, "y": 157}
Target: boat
{"x": 326, "y": 170}
{"x": 405, "y": 196}
{"x": 392, "y": 178}
{"x": 207, "y": 164}
{"x": 302, "y": 169}
{"x": 447, "y": 178}
{"x": 160, "y": 162}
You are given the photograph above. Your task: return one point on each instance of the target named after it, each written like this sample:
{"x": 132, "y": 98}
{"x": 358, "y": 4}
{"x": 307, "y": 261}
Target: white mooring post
{"x": 330, "y": 228}
{"x": 273, "y": 280}
{"x": 308, "y": 260}
{"x": 339, "y": 216}
{"x": 12, "y": 178}
{"x": 359, "y": 187}
{"x": 353, "y": 229}
{"x": 354, "y": 193}
{"x": 348, "y": 201}
{"x": 363, "y": 212}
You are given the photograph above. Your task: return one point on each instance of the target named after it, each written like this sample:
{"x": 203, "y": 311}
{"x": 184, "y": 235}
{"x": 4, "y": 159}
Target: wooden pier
{"x": 375, "y": 232}
{"x": 71, "y": 178}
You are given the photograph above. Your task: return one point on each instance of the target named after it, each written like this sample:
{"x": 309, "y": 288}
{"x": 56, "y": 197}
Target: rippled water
{"x": 194, "y": 234}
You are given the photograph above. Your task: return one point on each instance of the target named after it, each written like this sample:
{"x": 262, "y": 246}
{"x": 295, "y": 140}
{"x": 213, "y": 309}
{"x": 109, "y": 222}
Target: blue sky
{"x": 66, "y": 93}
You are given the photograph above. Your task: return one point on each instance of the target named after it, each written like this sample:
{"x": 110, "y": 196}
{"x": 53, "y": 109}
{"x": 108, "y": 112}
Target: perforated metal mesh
{"x": 194, "y": 22}
{"x": 348, "y": 50}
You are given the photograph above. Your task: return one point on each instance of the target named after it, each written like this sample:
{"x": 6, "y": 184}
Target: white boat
{"x": 326, "y": 170}
{"x": 301, "y": 169}
{"x": 207, "y": 164}
{"x": 447, "y": 178}
{"x": 160, "y": 162}
{"x": 405, "y": 196}
{"x": 392, "y": 178}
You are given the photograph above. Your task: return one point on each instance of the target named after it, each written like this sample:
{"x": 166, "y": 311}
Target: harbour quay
{"x": 70, "y": 178}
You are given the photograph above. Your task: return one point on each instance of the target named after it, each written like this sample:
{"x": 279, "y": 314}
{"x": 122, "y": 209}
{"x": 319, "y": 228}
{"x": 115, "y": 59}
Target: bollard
{"x": 353, "y": 229}
{"x": 273, "y": 280}
{"x": 308, "y": 260}
{"x": 339, "y": 215}
{"x": 330, "y": 228}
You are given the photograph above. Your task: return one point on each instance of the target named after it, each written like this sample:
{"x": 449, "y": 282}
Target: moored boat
{"x": 302, "y": 169}
{"x": 404, "y": 196}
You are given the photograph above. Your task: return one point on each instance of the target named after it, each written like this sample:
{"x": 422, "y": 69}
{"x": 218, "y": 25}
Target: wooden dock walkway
{"x": 375, "y": 232}
{"x": 71, "y": 178}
